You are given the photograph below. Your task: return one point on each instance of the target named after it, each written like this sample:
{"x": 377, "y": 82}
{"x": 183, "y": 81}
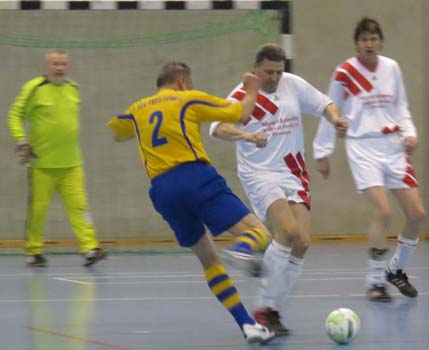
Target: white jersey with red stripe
{"x": 278, "y": 114}
{"x": 281, "y": 163}
{"x": 374, "y": 102}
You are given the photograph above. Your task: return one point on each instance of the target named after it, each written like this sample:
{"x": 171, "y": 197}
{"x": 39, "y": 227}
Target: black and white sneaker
{"x": 256, "y": 333}
{"x": 378, "y": 292}
{"x": 400, "y": 281}
{"x": 36, "y": 260}
{"x": 94, "y": 255}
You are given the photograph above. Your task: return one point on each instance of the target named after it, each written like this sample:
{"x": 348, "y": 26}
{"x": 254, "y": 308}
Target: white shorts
{"x": 380, "y": 161}
{"x": 264, "y": 188}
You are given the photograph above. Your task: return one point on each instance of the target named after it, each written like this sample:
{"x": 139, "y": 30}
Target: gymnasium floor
{"x": 161, "y": 302}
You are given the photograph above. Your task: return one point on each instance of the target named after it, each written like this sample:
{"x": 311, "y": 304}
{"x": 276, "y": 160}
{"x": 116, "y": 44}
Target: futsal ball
{"x": 342, "y": 325}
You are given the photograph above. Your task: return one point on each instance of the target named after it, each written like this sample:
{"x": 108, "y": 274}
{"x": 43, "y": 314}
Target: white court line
{"x": 41, "y": 273}
{"x": 202, "y": 281}
{"x": 187, "y": 273}
{"x": 352, "y": 270}
{"x": 164, "y": 282}
{"x": 173, "y": 298}
{"x": 72, "y": 281}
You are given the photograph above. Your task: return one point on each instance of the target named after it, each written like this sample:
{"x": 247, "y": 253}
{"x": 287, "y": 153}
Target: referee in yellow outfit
{"x": 49, "y": 104}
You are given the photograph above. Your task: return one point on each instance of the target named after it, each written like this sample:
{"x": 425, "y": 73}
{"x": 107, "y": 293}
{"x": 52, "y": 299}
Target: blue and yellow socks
{"x": 250, "y": 240}
{"x": 223, "y": 288}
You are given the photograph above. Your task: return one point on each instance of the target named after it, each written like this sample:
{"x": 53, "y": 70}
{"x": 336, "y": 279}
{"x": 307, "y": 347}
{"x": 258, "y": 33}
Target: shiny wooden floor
{"x": 161, "y": 302}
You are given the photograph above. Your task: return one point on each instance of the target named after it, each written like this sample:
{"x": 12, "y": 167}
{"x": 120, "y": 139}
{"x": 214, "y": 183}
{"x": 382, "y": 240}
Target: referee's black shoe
{"x": 36, "y": 260}
{"x": 94, "y": 255}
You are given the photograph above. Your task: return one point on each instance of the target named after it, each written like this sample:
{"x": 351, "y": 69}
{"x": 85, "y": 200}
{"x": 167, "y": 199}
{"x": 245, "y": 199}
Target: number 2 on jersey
{"x": 156, "y": 140}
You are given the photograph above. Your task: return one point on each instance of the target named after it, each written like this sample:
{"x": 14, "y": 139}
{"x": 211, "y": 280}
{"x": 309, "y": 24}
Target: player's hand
{"x": 24, "y": 152}
{"x": 258, "y": 138}
{"x": 251, "y": 82}
{"x": 323, "y": 167}
{"x": 410, "y": 144}
{"x": 341, "y": 125}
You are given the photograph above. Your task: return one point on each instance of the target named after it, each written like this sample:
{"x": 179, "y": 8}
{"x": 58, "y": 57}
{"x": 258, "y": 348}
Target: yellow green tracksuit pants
{"x": 69, "y": 183}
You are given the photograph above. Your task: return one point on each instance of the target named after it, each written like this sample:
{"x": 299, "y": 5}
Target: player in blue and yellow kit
{"x": 186, "y": 190}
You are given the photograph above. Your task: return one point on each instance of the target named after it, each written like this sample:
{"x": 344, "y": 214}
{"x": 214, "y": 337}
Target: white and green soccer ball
{"x": 342, "y": 325}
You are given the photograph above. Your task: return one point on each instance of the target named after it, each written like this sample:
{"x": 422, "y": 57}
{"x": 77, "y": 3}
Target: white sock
{"x": 292, "y": 273}
{"x": 276, "y": 260}
{"x": 376, "y": 273}
{"x": 404, "y": 251}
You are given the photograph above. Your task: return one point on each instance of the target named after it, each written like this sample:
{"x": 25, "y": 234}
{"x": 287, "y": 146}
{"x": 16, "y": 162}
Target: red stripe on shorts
{"x": 410, "y": 181}
{"x": 296, "y": 171}
{"x": 301, "y": 162}
{"x": 410, "y": 177}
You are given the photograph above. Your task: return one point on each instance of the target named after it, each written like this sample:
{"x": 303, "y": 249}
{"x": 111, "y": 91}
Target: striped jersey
{"x": 167, "y": 126}
{"x": 278, "y": 114}
{"x": 374, "y": 103}
{"x": 52, "y": 113}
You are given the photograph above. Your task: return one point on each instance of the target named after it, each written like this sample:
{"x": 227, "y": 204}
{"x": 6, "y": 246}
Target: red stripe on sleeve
{"x": 347, "y": 82}
{"x": 267, "y": 104}
{"x": 258, "y": 113}
{"x": 358, "y": 76}
{"x": 238, "y": 95}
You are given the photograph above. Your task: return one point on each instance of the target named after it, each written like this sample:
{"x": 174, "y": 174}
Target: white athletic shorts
{"x": 380, "y": 161}
{"x": 264, "y": 188}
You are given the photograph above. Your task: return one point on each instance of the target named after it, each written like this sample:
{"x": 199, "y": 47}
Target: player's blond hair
{"x": 172, "y": 72}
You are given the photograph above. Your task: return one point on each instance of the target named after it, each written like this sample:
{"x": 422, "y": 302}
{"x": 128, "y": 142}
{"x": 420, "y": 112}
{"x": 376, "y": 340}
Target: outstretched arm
{"x": 333, "y": 114}
{"x": 122, "y": 128}
{"x": 230, "y": 132}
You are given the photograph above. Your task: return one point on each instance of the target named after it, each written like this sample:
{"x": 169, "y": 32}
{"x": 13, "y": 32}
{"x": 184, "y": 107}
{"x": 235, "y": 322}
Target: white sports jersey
{"x": 277, "y": 170}
{"x": 278, "y": 115}
{"x": 374, "y": 102}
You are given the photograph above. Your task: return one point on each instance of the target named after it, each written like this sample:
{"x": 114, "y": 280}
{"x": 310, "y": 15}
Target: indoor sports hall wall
{"x": 323, "y": 38}
{"x": 116, "y": 56}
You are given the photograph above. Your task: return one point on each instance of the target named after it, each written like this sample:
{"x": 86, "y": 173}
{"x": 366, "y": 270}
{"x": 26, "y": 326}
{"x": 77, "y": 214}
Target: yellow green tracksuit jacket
{"x": 47, "y": 116}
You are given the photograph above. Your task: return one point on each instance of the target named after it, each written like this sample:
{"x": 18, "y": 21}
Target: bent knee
{"x": 301, "y": 244}
{"x": 384, "y": 216}
{"x": 287, "y": 233}
{"x": 418, "y": 215}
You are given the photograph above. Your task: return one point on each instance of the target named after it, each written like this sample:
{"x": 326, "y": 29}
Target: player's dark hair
{"x": 172, "y": 72}
{"x": 270, "y": 52}
{"x": 367, "y": 25}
